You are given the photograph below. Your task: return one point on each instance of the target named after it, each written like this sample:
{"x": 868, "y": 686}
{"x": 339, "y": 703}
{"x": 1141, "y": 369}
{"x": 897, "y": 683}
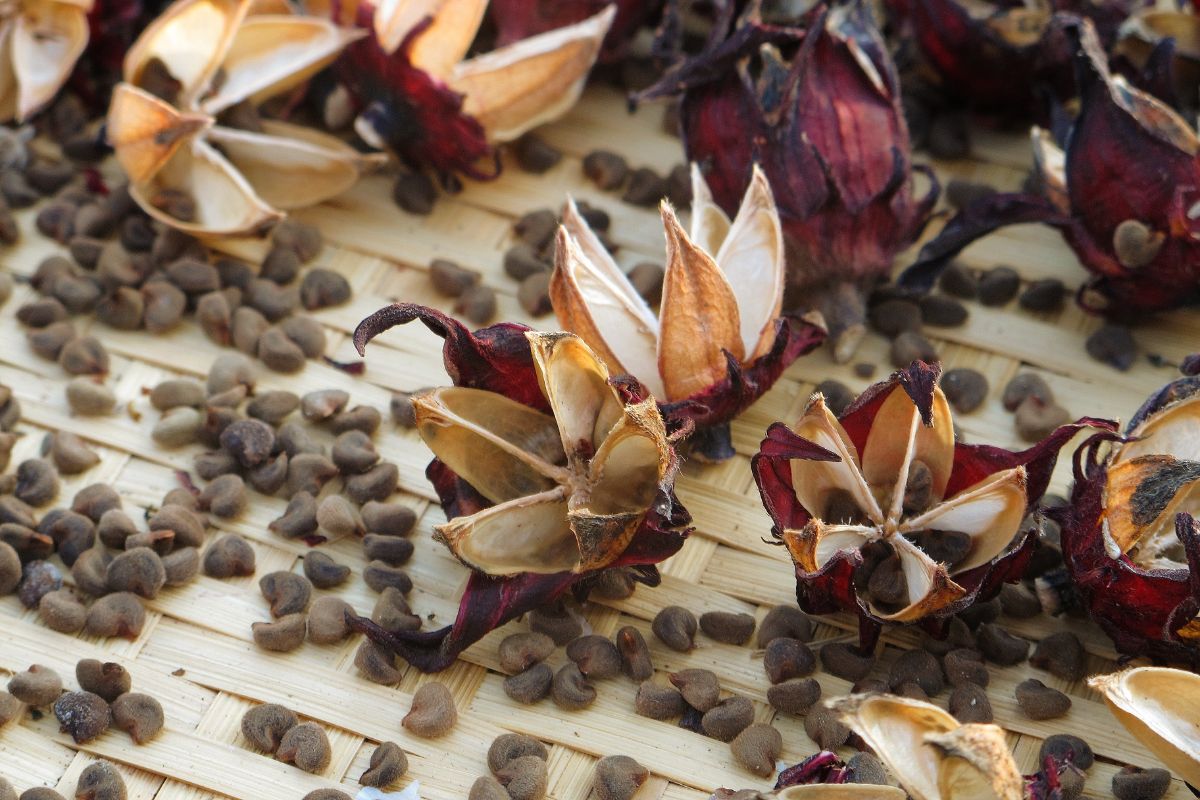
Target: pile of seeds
{"x": 98, "y": 781}
{"x": 274, "y": 729}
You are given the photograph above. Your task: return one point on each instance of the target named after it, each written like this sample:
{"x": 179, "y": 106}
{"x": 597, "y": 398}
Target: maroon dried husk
{"x": 820, "y": 767}
{"x": 498, "y": 359}
{"x": 1127, "y": 158}
{"x": 515, "y": 20}
{"x": 845, "y": 192}
{"x": 831, "y": 588}
{"x": 1142, "y": 610}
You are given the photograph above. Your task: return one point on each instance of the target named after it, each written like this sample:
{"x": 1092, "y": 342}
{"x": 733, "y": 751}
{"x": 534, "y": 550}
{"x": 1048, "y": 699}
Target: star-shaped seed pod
{"x": 1130, "y": 537}
{"x": 40, "y": 41}
{"x": 173, "y": 121}
{"x": 1161, "y": 708}
{"x": 884, "y": 513}
{"x": 718, "y": 342}
{"x": 425, "y": 101}
{"x": 547, "y": 471}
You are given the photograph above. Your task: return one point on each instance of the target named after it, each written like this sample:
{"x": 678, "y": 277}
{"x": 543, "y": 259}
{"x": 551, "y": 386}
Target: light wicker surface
{"x": 196, "y": 654}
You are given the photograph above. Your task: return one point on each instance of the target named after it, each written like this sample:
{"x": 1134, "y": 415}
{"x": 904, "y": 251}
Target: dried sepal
{"x": 40, "y": 42}
{"x": 548, "y": 474}
{"x": 1159, "y": 706}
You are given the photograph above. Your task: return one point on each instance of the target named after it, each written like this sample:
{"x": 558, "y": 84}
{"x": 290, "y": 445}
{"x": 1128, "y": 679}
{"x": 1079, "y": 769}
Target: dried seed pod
{"x": 596, "y": 657}
{"x": 635, "y": 654}
{"x": 728, "y": 718}
{"x": 570, "y": 690}
{"x": 106, "y": 679}
{"x": 61, "y": 611}
{"x": 618, "y": 778}
{"x": 531, "y": 685}
{"x": 287, "y": 592}
{"x": 139, "y": 715}
{"x": 37, "y": 686}
{"x": 432, "y": 713}
{"x": 139, "y": 571}
{"x": 519, "y": 651}
{"x": 675, "y": 627}
{"x": 727, "y": 626}
{"x": 969, "y": 703}
{"x": 388, "y": 764}
{"x": 83, "y": 715}
{"x": 509, "y": 746}
{"x": 380, "y": 576}
{"x": 119, "y": 614}
{"x": 100, "y": 781}
{"x": 757, "y": 747}
{"x": 228, "y": 557}
{"x": 323, "y": 571}
{"x": 306, "y": 746}
{"x": 699, "y": 687}
{"x": 38, "y": 579}
{"x": 524, "y": 778}
{"x": 327, "y": 620}
{"x": 794, "y": 696}
{"x": 788, "y": 658}
{"x": 299, "y": 518}
{"x": 282, "y": 635}
{"x": 659, "y": 702}
{"x": 264, "y": 726}
{"x": 37, "y": 482}
{"x": 338, "y": 517}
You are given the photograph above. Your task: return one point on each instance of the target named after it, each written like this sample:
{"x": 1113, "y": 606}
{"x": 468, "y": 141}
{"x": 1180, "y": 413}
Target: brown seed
{"x": 83, "y": 715}
{"x": 49, "y": 342}
{"x": 321, "y": 405}
{"x": 246, "y": 328}
{"x": 280, "y": 353}
{"x": 271, "y": 476}
{"x": 998, "y": 285}
{"x": 228, "y": 557}
{"x": 757, "y": 747}
{"x": 322, "y": 288}
{"x": 1064, "y": 748}
{"x": 37, "y": 482}
{"x": 189, "y": 530}
{"x": 272, "y": 300}
{"x": 90, "y": 571}
{"x": 606, "y": 169}
{"x": 70, "y": 453}
{"x": 557, "y": 622}
{"x": 535, "y": 154}
{"x": 107, "y": 679}
{"x": 618, "y": 778}
{"x": 308, "y": 472}
{"x": 306, "y": 746}
{"x": 838, "y": 397}
{"x": 414, "y": 192}
{"x": 509, "y": 746}
{"x": 299, "y": 518}
{"x": 477, "y": 304}
{"x": 727, "y": 626}
{"x": 1001, "y": 647}
{"x": 942, "y": 311}
{"x": 794, "y": 696}
{"x": 786, "y": 621}
{"x": 287, "y": 592}
{"x": 158, "y": 541}
{"x": 824, "y": 728}
{"x": 376, "y": 664}
{"x": 139, "y": 715}
{"x": 966, "y": 389}
{"x": 100, "y": 781}
{"x": 38, "y": 579}
{"x": 894, "y": 316}
{"x": 230, "y": 370}
{"x": 646, "y": 188}
{"x": 78, "y": 294}
{"x": 486, "y": 787}
{"x": 845, "y": 661}
{"x": 379, "y": 576}
{"x": 388, "y": 519}
{"x": 30, "y": 545}
{"x": 570, "y": 690}
{"x": 534, "y": 294}
{"x": 378, "y": 483}
{"x": 177, "y": 392}
{"x": 338, "y": 517}
{"x": 596, "y": 656}
{"x": 72, "y": 533}
{"x": 866, "y": 768}
{"x": 788, "y": 658}
{"x": 122, "y": 309}
{"x": 249, "y": 441}
{"x": 524, "y": 778}
{"x": 519, "y": 651}
{"x": 1039, "y": 701}
{"x": 536, "y": 229}
{"x": 449, "y": 279}
{"x": 56, "y": 221}
{"x": 139, "y": 571}
{"x": 215, "y": 317}
{"x": 40, "y": 793}
{"x": 965, "y": 666}
{"x": 388, "y": 765}
{"x": 225, "y": 496}
{"x": 61, "y": 611}
{"x": 531, "y": 685}
{"x": 119, "y": 614}
{"x": 1062, "y": 655}
{"x": 327, "y": 620}
{"x": 1019, "y": 602}
{"x": 969, "y": 703}
{"x": 522, "y": 260}
{"x": 1035, "y": 419}
{"x": 911, "y": 346}
{"x": 659, "y": 702}
{"x": 432, "y": 713}
{"x": 281, "y": 264}
{"x": 402, "y": 410}
{"x": 675, "y": 627}
{"x": 1023, "y": 386}
{"x": 282, "y": 635}
{"x": 919, "y": 667}
{"x": 1113, "y": 345}
{"x": 10, "y": 709}
{"x": 1135, "y": 783}
{"x": 324, "y": 572}
{"x": 728, "y": 718}
{"x": 699, "y": 687}
{"x": 616, "y": 583}
{"x": 635, "y": 655}
{"x": 37, "y": 686}
{"x": 354, "y": 452}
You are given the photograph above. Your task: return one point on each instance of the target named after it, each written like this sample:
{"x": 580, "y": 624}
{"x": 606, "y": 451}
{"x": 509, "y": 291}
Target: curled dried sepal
{"x": 548, "y": 474}
{"x": 932, "y": 755}
{"x": 234, "y": 181}
{"x": 887, "y": 487}
{"x": 40, "y": 41}
{"x": 1160, "y": 707}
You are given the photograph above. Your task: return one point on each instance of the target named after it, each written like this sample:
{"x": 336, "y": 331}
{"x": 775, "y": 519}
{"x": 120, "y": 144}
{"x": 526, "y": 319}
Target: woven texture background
{"x": 196, "y": 655}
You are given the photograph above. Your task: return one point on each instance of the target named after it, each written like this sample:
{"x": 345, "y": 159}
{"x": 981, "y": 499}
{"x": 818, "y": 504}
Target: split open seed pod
{"x": 1130, "y": 538}
{"x": 40, "y": 41}
{"x": 425, "y": 101}
{"x": 189, "y": 71}
{"x": 718, "y": 342}
{"x": 1161, "y": 708}
{"x": 885, "y": 514}
{"x": 547, "y": 472}
{"x": 933, "y": 756}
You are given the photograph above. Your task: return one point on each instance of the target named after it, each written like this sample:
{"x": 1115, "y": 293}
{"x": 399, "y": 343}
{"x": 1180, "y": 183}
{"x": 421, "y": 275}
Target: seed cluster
{"x": 276, "y": 729}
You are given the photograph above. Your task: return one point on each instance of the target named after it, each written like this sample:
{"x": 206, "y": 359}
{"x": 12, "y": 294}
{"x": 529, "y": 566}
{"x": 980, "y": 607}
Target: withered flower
{"x": 932, "y": 755}
{"x": 548, "y": 474}
{"x": 1121, "y": 193}
{"x": 424, "y": 101}
{"x": 1129, "y": 540}
{"x": 40, "y": 41}
{"x": 885, "y": 514}
{"x": 515, "y": 20}
{"x": 1161, "y": 708}
{"x": 718, "y": 342}
{"x": 189, "y": 71}
{"x": 846, "y": 192}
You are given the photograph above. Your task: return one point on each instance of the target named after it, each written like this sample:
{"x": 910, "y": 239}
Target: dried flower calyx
{"x": 548, "y": 474}
{"x": 884, "y": 513}
{"x": 424, "y": 102}
{"x": 168, "y": 121}
{"x": 719, "y": 341}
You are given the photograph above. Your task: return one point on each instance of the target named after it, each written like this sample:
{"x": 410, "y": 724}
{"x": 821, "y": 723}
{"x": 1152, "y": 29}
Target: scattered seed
{"x": 299, "y": 519}
{"x": 287, "y": 592}
{"x": 322, "y": 288}
{"x": 88, "y": 398}
{"x": 388, "y": 519}
{"x": 283, "y": 635}
{"x": 308, "y": 472}
{"x": 37, "y": 686}
{"x": 1043, "y": 295}
{"x": 487, "y": 788}
{"x": 845, "y": 661}
{"x": 477, "y": 304}
{"x": 83, "y": 715}
{"x": 272, "y": 300}
{"x": 645, "y": 188}
{"x": 1019, "y": 602}
{"x": 1113, "y": 345}
{"x": 535, "y": 154}
{"x": 378, "y": 483}
{"x": 90, "y": 571}
{"x": 969, "y": 703}
{"x": 635, "y": 654}
{"x": 324, "y": 572}
{"x": 1035, "y": 419}
{"x": 965, "y": 666}
{"x": 675, "y": 627}
{"x": 942, "y": 311}
{"x": 510, "y": 746}
{"x": 40, "y": 793}
{"x": 522, "y": 260}
{"x": 327, "y": 620}
{"x": 606, "y": 169}
{"x": 557, "y": 622}
{"x": 794, "y": 696}
{"x": 230, "y": 370}
{"x": 647, "y": 278}
{"x": 61, "y": 611}
{"x": 531, "y": 685}
{"x": 911, "y": 346}
{"x": 139, "y": 715}
{"x": 106, "y": 679}
{"x": 10, "y": 709}
{"x": 727, "y": 626}
{"x": 1023, "y": 386}
{"x": 280, "y": 353}
{"x": 699, "y": 687}
{"x": 920, "y": 668}
{"x": 784, "y": 620}
{"x": 659, "y": 702}
{"x": 618, "y": 778}
{"x": 1062, "y": 655}
{"x": 228, "y": 557}
{"x": 728, "y": 718}
{"x": 100, "y": 781}
{"x": 388, "y": 765}
{"x": 189, "y": 531}
{"x": 787, "y": 658}
{"x": 1040, "y": 701}
{"x": 519, "y": 651}
{"x": 596, "y": 656}
{"x": 524, "y": 778}
{"x": 1135, "y": 783}
{"x": 449, "y": 279}
{"x": 139, "y": 571}
{"x": 570, "y": 689}
{"x": 432, "y": 713}
{"x": 758, "y": 746}
{"x": 38, "y": 579}
{"x": 534, "y": 294}
{"x": 37, "y": 482}
{"x": 965, "y": 388}
{"x": 895, "y": 316}
{"x": 181, "y": 565}
{"x": 1067, "y": 749}
{"x": 379, "y": 576}
{"x": 958, "y": 281}
{"x": 119, "y": 614}
{"x": 376, "y": 664}
{"x": 306, "y": 746}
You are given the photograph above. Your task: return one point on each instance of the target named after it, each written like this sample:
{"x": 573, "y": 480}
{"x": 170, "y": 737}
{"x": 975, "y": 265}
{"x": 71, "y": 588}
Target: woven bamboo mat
{"x": 196, "y": 654}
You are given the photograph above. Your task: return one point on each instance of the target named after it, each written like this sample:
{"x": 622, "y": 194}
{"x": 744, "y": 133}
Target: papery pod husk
{"x": 1127, "y": 158}
{"x": 515, "y": 20}
{"x": 1161, "y": 708}
{"x": 498, "y": 359}
{"x": 831, "y": 589}
{"x": 1146, "y": 612}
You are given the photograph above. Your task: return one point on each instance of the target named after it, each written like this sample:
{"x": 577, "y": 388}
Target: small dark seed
{"x": 895, "y": 316}
{"x": 1062, "y": 655}
{"x": 1001, "y": 647}
{"x": 38, "y": 579}
{"x": 959, "y": 281}
{"x": 1019, "y": 601}
{"x": 635, "y": 654}
{"x": 965, "y": 666}
{"x": 676, "y": 627}
{"x": 37, "y": 482}
{"x": 659, "y": 702}
{"x": 388, "y": 764}
{"x": 1067, "y": 749}
{"x": 306, "y": 746}
{"x": 1039, "y": 701}
{"x": 83, "y": 715}
{"x": 299, "y": 518}
{"x": 824, "y": 728}
{"x": 107, "y": 679}
{"x": 531, "y": 685}
{"x": 535, "y": 154}
{"x": 477, "y": 304}
{"x": 596, "y": 656}
{"x": 1135, "y": 783}
{"x": 432, "y": 713}
{"x": 794, "y": 696}
{"x": 784, "y": 620}
{"x": 557, "y": 622}
{"x": 969, "y": 703}
{"x": 728, "y": 718}
{"x": 287, "y": 592}
{"x": 1043, "y": 295}
{"x": 519, "y": 651}
{"x": 758, "y": 747}
{"x": 911, "y": 346}
{"x": 182, "y": 565}
{"x": 727, "y": 626}
{"x": 376, "y": 664}
{"x": 485, "y": 787}
{"x": 327, "y": 620}
{"x": 228, "y": 557}
{"x": 524, "y": 778}
{"x": 1113, "y": 345}
{"x": 998, "y": 285}
{"x": 919, "y": 667}
{"x": 844, "y": 661}
{"x": 100, "y": 781}
{"x": 322, "y": 288}
{"x": 699, "y": 687}
{"x": 1035, "y": 419}
{"x": 788, "y": 658}
{"x": 88, "y": 398}
{"x": 647, "y": 278}
{"x": 570, "y": 690}
{"x": 61, "y": 611}
{"x": 943, "y": 312}
{"x": 1025, "y": 385}
{"x": 281, "y": 636}
{"x": 646, "y": 188}
{"x": 606, "y": 169}
{"x": 37, "y": 686}
{"x": 618, "y": 778}
{"x": 139, "y": 715}
{"x": 509, "y": 746}
{"x": 379, "y": 576}
{"x": 264, "y": 726}
{"x": 323, "y": 571}
{"x": 449, "y": 279}
{"x": 965, "y": 388}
